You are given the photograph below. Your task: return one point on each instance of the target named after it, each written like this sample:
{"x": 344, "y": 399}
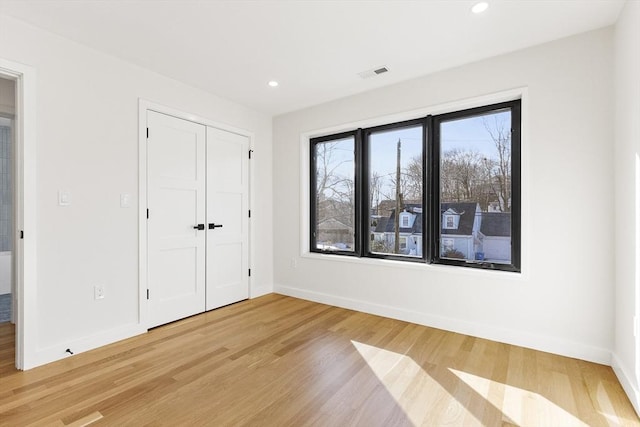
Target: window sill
{"x": 408, "y": 265}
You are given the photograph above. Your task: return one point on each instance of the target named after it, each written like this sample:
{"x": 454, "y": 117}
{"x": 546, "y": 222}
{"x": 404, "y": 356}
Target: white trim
{"x": 448, "y": 107}
{"x": 636, "y": 307}
{"x": 160, "y": 108}
{"x": 26, "y": 313}
{"x": 80, "y": 345}
{"x": 628, "y": 385}
{"x": 143, "y": 313}
{"x": 144, "y": 106}
{"x": 259, "y": 290}
{"x": 521, "y": 93}
{"x": 490, "y": 332}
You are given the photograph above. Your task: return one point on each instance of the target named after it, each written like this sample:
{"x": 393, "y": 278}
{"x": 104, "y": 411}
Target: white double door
{"x": 197, "y": 226}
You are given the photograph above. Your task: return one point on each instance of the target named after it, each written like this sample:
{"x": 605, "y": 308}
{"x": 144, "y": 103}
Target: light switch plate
{"x": 125, "y": 200}
{"x": 98, "y": 292}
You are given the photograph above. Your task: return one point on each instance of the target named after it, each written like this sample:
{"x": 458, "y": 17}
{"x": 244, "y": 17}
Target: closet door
{"x": 227, "y": 218}
{"x": 176, "y": 229}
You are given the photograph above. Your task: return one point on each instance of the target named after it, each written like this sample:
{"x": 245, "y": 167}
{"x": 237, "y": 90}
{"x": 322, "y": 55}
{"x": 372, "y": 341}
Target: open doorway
{"x": 7, "y": 227}
{"x": 18, "y": 104}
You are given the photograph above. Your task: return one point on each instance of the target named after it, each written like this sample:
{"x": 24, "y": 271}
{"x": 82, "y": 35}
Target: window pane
{"x": 395, "y": 191}
{"x": 475, "y": 188}
{"x": 335, "y": 194}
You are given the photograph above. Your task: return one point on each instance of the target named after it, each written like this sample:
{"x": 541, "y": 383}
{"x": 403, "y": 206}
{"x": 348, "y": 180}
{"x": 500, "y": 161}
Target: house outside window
{"x": 441, "y": 189}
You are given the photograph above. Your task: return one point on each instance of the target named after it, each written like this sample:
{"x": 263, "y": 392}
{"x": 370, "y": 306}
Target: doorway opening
{"x": 7, "y": 200}
{"x": 18, "y": 107}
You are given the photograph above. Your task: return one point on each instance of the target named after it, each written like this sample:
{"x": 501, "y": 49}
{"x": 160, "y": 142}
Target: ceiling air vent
{"x": 373, "y": 72}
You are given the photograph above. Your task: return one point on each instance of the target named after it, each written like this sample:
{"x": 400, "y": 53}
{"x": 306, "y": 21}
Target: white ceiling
{"x": 313, "y": 48}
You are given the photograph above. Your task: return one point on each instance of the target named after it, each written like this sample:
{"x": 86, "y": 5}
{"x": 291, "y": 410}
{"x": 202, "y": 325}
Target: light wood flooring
{"x": 281, "y": 361}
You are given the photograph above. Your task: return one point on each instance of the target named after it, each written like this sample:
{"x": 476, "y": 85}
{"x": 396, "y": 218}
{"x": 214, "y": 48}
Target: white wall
{"x": 563, "y": 300}
{"x": 627, "y": 196}
{"x": 87, "y": 142}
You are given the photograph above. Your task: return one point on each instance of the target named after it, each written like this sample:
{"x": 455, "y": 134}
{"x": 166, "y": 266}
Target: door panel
{"x": 228, "y": 210}
{"x": 179, "y": 280}
{"x": 227, "y": 205}
{"x": 177, "y": 223}
{"x": 176, "y": 201}
{"x": 227, "y": 271}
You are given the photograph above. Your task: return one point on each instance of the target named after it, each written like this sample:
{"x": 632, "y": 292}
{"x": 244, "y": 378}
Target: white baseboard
{"x": 80, "y": 345}
{"x": 490, "y": 332}
{"x": 629, "y": 386}
{"x": 258, "y": 291}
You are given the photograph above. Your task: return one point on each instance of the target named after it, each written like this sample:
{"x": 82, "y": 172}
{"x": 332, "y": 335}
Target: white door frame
{"x": 24, "y": 250}
{"x": 143, "y": 107}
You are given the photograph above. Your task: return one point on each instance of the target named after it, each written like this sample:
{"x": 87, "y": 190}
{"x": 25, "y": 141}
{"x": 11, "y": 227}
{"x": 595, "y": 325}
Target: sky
{"x": 383, "y": 147}
{"x": 470, "y": 133}
{"x": 466, "y": 134}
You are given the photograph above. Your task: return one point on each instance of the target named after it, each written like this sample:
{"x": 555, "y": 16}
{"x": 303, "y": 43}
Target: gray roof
{"x": 386, "y": 225}
{"x": 381, "y": 227}
{"x": 332, "y": 224}
{"x": 496, "y": 224}
{"x": 467, "y": 211}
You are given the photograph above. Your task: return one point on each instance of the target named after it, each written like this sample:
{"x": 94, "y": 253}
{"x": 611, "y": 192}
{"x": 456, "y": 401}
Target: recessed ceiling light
{"x": 273, "y": 83}
{"x": 480, "y": 7}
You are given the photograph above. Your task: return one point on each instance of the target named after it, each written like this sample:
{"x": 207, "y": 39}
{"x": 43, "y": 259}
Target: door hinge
{"x": 249, "y": 213}
{"x": 21, "y": 234}
{"x": 250, "y": 151}
{"x": 147, "y": 133}
{"x": 147, "y": 213}
{"x": 249, "y": 272}
{"x": 147, "y": 293}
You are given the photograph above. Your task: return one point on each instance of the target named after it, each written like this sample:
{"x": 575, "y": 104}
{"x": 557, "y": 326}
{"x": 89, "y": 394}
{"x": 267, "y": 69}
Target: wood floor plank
{"x": 281, "y": 361}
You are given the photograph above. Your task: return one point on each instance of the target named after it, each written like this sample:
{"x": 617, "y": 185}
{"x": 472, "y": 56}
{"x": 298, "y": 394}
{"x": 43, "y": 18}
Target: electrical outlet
{"x": 98, "y": 292}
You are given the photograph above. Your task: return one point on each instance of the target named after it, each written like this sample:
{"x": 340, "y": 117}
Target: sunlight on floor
{"x": 414, "y": 390}
{"x": 524, "y": 407}
{"x": 606, "y": 407}
{"x": 459, "y": 397}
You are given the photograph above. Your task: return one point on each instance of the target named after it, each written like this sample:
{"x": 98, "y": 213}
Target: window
{"x": 395, "y": 179}
{"x": 333, "y": 187}
{"x": 451, "y": 221}
{"x": 403, "y": 243}
{"x": 447, "y": 245}
{"x": 441, "y": 189}
{"x": 405, "y": 219}
{"x": 478, "y": 161}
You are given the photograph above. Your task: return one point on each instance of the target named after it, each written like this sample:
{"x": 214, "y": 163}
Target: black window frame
{"x": 356, "y": 177}
{"x": 365, "y": 134}
{"x": 516, "y": 185}
{"x": 431, "y": 218}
